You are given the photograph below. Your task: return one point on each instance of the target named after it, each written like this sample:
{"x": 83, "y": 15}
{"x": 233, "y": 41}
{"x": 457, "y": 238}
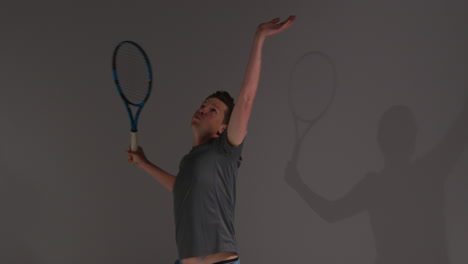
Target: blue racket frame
{"x": 127, "y": 103}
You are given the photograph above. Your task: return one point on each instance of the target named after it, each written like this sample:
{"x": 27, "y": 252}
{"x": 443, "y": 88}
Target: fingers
{"x": 129, "y": 152}
{"x": 133, "y": 157}
{"x": 287, "y": 23}
{"x": 275, "y": 20}
{"x": 139, "y": 150}
{"x": 290, "y": 19}
{"x": 130, "y": 157}
{"x": 271, "y": 28}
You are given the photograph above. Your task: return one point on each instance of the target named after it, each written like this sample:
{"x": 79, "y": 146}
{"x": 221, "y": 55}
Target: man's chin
{"x": 195, "y": 124}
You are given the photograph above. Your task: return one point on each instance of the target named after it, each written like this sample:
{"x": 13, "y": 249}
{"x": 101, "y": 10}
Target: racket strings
{"x": 133, "y": 73}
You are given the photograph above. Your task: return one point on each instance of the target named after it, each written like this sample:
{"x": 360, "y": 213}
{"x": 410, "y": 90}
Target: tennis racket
{"x": 133, "y": 78}
{"x": 311, "y": 90}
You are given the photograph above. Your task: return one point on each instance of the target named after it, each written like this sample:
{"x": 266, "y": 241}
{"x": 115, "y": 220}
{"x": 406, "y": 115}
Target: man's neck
{"x": 202, "y": 139}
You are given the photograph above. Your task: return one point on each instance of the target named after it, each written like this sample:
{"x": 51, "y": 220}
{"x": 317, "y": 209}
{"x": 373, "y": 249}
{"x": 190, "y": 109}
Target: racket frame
{"x": 310, "y": 122}
{"x": 133, "y": 119}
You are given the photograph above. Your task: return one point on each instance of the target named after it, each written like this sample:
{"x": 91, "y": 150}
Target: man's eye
{"x": 213, "y": 110}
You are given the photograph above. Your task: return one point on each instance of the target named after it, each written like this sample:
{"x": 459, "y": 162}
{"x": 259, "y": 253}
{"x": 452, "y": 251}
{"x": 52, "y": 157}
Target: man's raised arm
{"x": 241, "y": 113}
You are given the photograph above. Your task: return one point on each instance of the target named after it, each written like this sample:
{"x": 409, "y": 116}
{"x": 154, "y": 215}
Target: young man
{"x": 204, "y": 190}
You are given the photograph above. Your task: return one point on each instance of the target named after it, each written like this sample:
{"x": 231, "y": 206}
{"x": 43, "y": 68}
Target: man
{"x": 204, "y": 189}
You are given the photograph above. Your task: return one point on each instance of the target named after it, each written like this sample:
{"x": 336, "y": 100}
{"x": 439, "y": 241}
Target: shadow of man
{"x": 405, "y": 199}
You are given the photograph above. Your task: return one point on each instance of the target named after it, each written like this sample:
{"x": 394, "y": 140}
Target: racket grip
{"x": 133, "y": 141}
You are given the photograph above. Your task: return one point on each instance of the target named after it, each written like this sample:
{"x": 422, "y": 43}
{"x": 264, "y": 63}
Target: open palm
{"x": 271, "y": 28}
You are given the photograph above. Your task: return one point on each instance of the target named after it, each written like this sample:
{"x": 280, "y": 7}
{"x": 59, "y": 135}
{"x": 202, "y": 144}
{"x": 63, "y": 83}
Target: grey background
{"x": 68, "y": 195}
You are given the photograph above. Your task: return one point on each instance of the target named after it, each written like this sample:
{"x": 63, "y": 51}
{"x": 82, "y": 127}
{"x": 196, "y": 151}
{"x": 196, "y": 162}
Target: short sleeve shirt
{"x": 204, "y": 197}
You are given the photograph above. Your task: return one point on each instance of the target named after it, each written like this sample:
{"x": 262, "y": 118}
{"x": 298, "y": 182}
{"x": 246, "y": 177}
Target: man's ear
{"x": 221, "y": 130}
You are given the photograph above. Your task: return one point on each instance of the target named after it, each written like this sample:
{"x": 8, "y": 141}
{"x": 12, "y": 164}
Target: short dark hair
{"x": 227, "y": 99}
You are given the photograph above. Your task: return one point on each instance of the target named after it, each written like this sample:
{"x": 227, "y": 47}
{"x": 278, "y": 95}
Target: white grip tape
{"x": 133, "y": 141}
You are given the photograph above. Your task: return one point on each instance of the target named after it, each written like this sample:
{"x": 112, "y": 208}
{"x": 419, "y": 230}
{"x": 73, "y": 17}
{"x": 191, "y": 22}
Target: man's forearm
{"x": 166, "y": 179}
{"x": 252, "y": 73}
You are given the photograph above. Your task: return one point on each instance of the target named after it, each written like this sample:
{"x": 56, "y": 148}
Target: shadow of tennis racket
{"x": 311, "y": 90}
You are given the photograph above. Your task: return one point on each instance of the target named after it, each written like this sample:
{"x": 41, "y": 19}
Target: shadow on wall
{"x": 405, "y": 199}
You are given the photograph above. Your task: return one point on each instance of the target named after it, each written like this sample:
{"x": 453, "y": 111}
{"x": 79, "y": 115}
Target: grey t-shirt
{"x": 205, "y": 197}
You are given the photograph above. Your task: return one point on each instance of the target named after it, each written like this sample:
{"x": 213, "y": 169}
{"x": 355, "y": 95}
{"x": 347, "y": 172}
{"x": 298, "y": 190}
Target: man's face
{"x": 209, "y": 116}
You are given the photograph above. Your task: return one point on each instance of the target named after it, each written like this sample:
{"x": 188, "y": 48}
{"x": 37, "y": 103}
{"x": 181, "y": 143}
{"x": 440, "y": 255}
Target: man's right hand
{"x": 138, "y": 156}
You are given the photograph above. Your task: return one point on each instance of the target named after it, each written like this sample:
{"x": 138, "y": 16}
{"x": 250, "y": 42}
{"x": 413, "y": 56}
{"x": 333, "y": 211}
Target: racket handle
{"x": 133, "y": 141}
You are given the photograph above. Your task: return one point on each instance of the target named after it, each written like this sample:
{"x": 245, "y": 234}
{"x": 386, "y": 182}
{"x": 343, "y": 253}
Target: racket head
{"x": 312, "y": 86}
{"x": 132, "y": 73}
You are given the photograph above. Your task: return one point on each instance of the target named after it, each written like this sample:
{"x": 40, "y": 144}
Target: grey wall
{"x": 68, "y": 195}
